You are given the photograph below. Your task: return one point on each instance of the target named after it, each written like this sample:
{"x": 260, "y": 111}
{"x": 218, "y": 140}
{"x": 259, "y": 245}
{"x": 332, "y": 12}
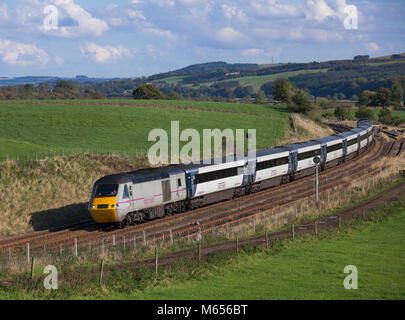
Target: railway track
{"x": 203, "y": 218}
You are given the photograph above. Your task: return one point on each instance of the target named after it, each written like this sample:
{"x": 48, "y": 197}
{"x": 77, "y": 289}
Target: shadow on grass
{"x": 55, "y": 218}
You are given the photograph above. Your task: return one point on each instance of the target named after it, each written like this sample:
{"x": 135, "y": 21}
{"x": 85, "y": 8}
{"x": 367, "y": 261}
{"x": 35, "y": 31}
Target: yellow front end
{"x": 103, "y": 209}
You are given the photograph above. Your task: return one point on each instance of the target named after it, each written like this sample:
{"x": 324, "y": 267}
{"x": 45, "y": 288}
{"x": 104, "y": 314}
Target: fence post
{"x": 156, "y": 260}
{"x": 102, "y": 246}
{"x": 28, "y": 252}
{"x": 144, "y": 238}
{"x": 89, "y": 246}
{"x": 340, "y": 222}
{"x": 75, "y": 248}
{"x": 267, "y": 240}
{"x": 199, "y": 250}
{"x": 101, "y": 272}
{"x": 171, "y": 236}
{"x": 254, "y": 225}
{"x": 316, "y": 227}
{"x": 134, "y": 241}
{"x": 237, "y": 245}
{"x": 124, "y": 243}
{"x": 60, "y": 248}
{"x": 32, "y": 268}
{"x": 9, "y": 254}
{"x": 113, "y": 239}
{"x": 292, "y": 231}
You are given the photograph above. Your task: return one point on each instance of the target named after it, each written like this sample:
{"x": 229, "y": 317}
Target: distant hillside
{"x": 222, "y": 81}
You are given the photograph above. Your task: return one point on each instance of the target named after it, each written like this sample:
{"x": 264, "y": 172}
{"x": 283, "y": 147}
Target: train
{"x": 134, "y": 197}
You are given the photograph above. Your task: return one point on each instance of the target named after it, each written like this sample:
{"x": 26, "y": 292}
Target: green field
{"x": 257, "y": 81}
{"x": 27, "y": 127}
{"x": 308, "y": 270}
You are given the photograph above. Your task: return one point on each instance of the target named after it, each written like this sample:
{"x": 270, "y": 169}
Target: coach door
{"x": 293, "y": 160}
{"x": 166, "y": 191}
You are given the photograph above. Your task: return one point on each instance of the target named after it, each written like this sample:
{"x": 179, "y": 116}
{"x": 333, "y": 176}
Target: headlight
{"x": 94, "y": 207}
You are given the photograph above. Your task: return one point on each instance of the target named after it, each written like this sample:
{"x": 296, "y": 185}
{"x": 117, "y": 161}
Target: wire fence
{"x": 142, "y": 244}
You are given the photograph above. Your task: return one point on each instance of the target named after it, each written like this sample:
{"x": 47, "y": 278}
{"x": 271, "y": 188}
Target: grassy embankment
{"x": 309, "y": 267}
{"x": 61, "y": 186}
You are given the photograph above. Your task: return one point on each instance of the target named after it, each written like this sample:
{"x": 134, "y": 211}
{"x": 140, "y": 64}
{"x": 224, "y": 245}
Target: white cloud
{"x": 372, "y": 47}
{"x": 86, "y": 24}
{"x": 59, "y": 60}
{"x": 106, "y": 54}
{"x": 229, "y": 35}
{"x": 275, "y": 9}
{"x": 3, "y": 12}
{"x": 22, "y": 54}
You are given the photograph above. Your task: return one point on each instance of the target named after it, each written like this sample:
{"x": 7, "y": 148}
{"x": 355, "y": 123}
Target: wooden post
{"x": 364, "y": 215}
{"x": 113, "y": 239}
{"x": 89, "y": 246}
{"x": 199, "y": 250}
{"x": 171, "y": 236}
{"x": 60, "y": 248}
{"x": 292, "y": 231}
{"x": 144, "y": 238}
{"x": 102, "y": 246}
{"x": 75, "y": 248}
{"x": 340, "y": 222}
{"x": 237, "y": 245}
{"x": 101, "y": 271}
{"x": 28, "y": 252}
{"x": 254, "y": 225}
{"x": 32, "y": 268}
{"x": 9, "y": 254}
{"x": 134, "y": 241}
{"x": 124, "y": 243}
{"x": 156, "y": 260}
{"x": 267, "y": 239}
{"x": 316, "y": 228}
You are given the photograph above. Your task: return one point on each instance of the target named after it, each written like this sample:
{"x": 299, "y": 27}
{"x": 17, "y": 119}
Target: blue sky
{"x": 142, "y": 37}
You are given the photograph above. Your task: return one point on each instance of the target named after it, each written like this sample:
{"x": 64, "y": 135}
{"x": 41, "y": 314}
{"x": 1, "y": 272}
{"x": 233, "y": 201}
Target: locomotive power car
{"x": 133, "y": 197}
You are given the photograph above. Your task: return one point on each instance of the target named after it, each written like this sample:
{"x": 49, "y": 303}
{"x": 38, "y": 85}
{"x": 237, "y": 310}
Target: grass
{"x": 308, "y": 267}
{"x": 108, "y": 125}
{"x": 257, "y": 81}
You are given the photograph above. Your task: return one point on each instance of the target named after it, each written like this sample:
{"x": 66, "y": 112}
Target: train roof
{"x": 347, "y": 134}
{"x": 267, "y": 152}
{"x": 142, "y": 175}
{"x": 327, "y": 139}
{"x": 300, "y": 145}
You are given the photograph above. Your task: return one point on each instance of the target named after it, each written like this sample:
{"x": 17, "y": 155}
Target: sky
{"x": 133, "y": 38}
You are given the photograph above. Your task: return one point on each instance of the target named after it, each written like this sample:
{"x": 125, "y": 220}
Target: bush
{"x": 342, "y": 113}
{"x": 147, "y": 91}
{"x": 365, "y": 113}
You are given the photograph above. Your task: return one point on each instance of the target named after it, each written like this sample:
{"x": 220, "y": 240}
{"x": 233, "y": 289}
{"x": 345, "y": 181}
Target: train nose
{"x": 103, "y": 210}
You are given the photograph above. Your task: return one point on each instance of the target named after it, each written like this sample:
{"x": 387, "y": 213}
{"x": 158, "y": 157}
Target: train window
{"x": 363, "y": 137}
{"x": 216, "y": 175}
{"x": 271, "y": 163}
{"x": 309, "y": 154}
{"x": 334, "y": 147}
{"x": 106, "y": 190}
{"x": 125, "y": 194}
{"x": 352, "y": 142}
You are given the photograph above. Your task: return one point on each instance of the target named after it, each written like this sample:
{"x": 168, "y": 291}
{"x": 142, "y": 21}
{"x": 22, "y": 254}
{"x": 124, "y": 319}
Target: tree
{"x": 364, "y": 113}
{"x": 147, "y": 91}
{"x": 397, "y": 92}
{"x": 283, "y": 90}
{"x": 173, "y": 95}
{"x": 300, "y": 102}
{"x": 366, "y": 98}
{"x": 260, "y": 97}
{"x": 383, "y": 97}
{"x": 342, "y": 113}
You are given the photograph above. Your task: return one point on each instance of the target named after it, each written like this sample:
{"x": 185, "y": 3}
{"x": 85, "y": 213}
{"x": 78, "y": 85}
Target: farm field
{"x": 291, "y": 274}
{"x": 257, "y": 81}
{"x": 44, "y": 127}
